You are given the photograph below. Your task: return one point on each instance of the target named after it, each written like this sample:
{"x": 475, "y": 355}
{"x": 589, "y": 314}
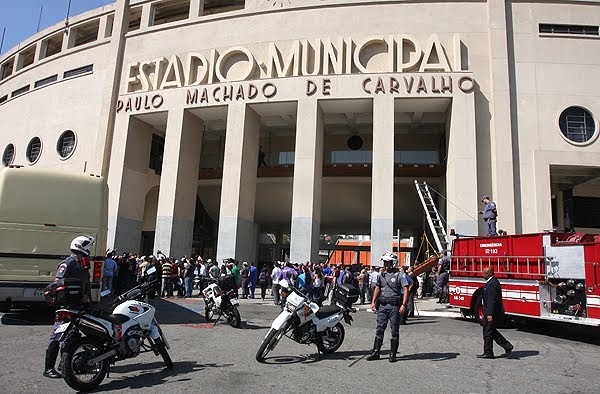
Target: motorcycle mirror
{"x": 105, "y": 293}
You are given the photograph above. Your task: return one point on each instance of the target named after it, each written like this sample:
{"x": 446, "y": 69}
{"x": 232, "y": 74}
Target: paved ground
{"x": 437, "y": 355}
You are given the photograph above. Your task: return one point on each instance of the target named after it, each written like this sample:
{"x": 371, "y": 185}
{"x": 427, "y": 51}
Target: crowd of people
{"x": 178, "y": 277}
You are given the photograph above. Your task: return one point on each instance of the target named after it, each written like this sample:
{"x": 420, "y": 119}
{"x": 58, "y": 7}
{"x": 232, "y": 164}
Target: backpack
{"x": 262, "y": 278}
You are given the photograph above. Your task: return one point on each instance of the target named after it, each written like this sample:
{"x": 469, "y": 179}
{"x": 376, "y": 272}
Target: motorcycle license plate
{"x": 62, "y": 328}
{"x": 235, "y": 301}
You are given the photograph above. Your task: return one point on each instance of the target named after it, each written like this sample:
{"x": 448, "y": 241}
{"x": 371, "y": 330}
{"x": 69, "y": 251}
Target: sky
{"x": 20, "y": 17}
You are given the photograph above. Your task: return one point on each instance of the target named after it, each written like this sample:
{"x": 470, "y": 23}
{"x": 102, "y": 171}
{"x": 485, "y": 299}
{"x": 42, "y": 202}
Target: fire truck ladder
{"x": 433, "y": 217}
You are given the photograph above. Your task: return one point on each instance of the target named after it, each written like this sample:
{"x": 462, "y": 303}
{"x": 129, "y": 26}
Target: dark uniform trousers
{"x": 388, "y": 312}
{"x": 491, "y": 227}
{"x": 490, "y": 334}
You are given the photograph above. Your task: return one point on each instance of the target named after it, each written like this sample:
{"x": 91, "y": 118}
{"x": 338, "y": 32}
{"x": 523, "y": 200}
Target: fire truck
{"x": 550, "y": 276}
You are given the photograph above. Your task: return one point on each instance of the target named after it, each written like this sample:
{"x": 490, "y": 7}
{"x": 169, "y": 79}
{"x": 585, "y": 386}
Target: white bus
{"x": 41, "y": 211}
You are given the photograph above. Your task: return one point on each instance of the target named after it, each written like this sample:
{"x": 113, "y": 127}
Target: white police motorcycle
{"x": 92, "y": 341}
{"x": 307, "y": 323}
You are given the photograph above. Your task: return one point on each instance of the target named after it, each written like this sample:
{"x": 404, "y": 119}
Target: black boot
{"x": 394, "y": 349}
{"x": 51, "y": 354}
{"x": 376, "y": 348}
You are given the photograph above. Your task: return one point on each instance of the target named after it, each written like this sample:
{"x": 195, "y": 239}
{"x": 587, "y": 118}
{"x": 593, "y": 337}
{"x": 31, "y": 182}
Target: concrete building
{"x": 249, "y": 128}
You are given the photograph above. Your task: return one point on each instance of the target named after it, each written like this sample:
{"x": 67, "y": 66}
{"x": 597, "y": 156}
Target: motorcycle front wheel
{"x": 76, "y": 372}
{"x": 162, "y": 350}
{"x": 331, "y": 339}
{"x": 270, "y": 341}
{"x": 234, "y": 319}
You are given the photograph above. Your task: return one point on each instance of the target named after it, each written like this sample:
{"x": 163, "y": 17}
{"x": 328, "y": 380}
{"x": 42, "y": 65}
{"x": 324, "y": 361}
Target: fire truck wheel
{"x": 478, "y": 310}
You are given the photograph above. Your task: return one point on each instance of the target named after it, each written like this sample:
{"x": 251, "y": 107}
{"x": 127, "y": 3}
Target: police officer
{"x": 490, "y": 213}
{"x": 443, "y": 270}
{"x": 74, "y": 266}
{"x": 392, "y": 288}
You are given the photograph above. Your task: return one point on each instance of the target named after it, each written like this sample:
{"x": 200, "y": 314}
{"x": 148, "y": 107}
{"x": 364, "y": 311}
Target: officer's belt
{"x": 390, "y": 301}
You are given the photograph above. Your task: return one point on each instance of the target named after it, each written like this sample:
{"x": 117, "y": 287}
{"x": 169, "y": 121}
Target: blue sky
{"x": 20, "y": 17}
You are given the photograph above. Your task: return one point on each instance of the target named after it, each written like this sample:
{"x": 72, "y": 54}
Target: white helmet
{"x": 389, "y": 256}
{"x": 82, "y": 244}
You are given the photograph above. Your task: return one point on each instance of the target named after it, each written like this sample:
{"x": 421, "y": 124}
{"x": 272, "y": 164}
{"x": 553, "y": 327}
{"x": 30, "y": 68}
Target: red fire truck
{"x": 552, "y": 276}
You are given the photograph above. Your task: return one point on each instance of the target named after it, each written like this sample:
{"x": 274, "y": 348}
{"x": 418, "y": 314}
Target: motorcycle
{"x": 92, "y": 341}
{"x": 222, "y": 302}
{"x": 308, "y": 323}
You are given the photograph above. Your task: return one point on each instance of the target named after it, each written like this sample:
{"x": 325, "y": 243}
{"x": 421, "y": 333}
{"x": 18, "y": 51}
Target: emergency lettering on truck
{"x": 41, "y": 211}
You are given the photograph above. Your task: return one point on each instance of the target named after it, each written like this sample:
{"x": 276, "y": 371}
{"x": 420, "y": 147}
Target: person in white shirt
{"x": 275, "y": 277}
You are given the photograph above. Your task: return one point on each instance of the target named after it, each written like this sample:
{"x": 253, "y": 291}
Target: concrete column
{"x": 237, "y": 232}
{"x": 178, "y": 184}
{"x": 66, "y": 40}
{"x": 308, "y": 168}
{"x": 503, "y": 188}
{"x": 110, "y": 90}
{"x": 147, "y": 16}
{"x": 461, "y": 168}
{"x": 196, "y": 8}
{"x": 102, "y": 28}
{"x": 127, "y": 183}
{"x": 382, "y": 190}
{"x": 40, "y": 50}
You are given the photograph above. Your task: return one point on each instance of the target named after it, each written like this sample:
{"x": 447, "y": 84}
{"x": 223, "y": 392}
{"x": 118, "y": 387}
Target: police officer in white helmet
{"x": 391, "y": 294}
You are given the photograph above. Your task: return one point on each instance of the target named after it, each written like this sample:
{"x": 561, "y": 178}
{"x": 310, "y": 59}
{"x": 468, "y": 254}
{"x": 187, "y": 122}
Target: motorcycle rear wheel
{"x": 331, "y": 339}
{"x": 162, "y": 350}
{"x": 234, "y": 319}
{"x": 76, "y": 373}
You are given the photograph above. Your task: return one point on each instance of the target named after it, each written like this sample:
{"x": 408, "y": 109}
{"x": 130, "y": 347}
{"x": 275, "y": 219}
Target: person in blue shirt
{"x": 110, "y": 271}
{"x": 253, "y": 279}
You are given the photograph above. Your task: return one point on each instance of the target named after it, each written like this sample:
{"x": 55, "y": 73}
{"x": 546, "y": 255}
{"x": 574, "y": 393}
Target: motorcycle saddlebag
{"x": 346, "y": 294}
{"x": 64, "y": 292}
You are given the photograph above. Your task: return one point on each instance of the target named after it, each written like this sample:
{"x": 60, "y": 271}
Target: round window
{"x": 577, "y": 125}
{"x": 34, "y": 149}
{"x": 66, "y": 144}
{"x": 9, "y": 155}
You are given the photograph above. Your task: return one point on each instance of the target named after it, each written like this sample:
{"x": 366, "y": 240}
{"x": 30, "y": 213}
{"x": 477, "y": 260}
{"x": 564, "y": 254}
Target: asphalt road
{"x": 437, "y": 355}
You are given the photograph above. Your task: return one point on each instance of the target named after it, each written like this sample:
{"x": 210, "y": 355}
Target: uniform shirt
{"x": 490, "y": 211}
{"x": 445, "y": 264}
{"x": 392, "y": 285}
{"x": 72, "y": 267}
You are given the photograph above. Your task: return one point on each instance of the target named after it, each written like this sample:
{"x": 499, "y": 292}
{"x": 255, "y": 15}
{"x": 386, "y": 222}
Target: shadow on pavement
{"x": 148, "y": 376}
{"x": 413, "y": 320}
{"x": 250, "y": 326}
{"x": 569, "y": 331}
{"x": 42, "y": 316}
{"x": 428, "y": 356}
{"x": 168, "y": 312}
{"x": 519, "y": 354}
{"x": 313, "y": 358}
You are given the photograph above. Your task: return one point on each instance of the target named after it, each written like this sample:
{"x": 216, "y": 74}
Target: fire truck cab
{"x": 552, "y": 276}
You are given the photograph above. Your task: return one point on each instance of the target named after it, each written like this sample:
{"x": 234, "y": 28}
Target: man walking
{"x": 490, "y": 213}
{"x": 493, "y": 314}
